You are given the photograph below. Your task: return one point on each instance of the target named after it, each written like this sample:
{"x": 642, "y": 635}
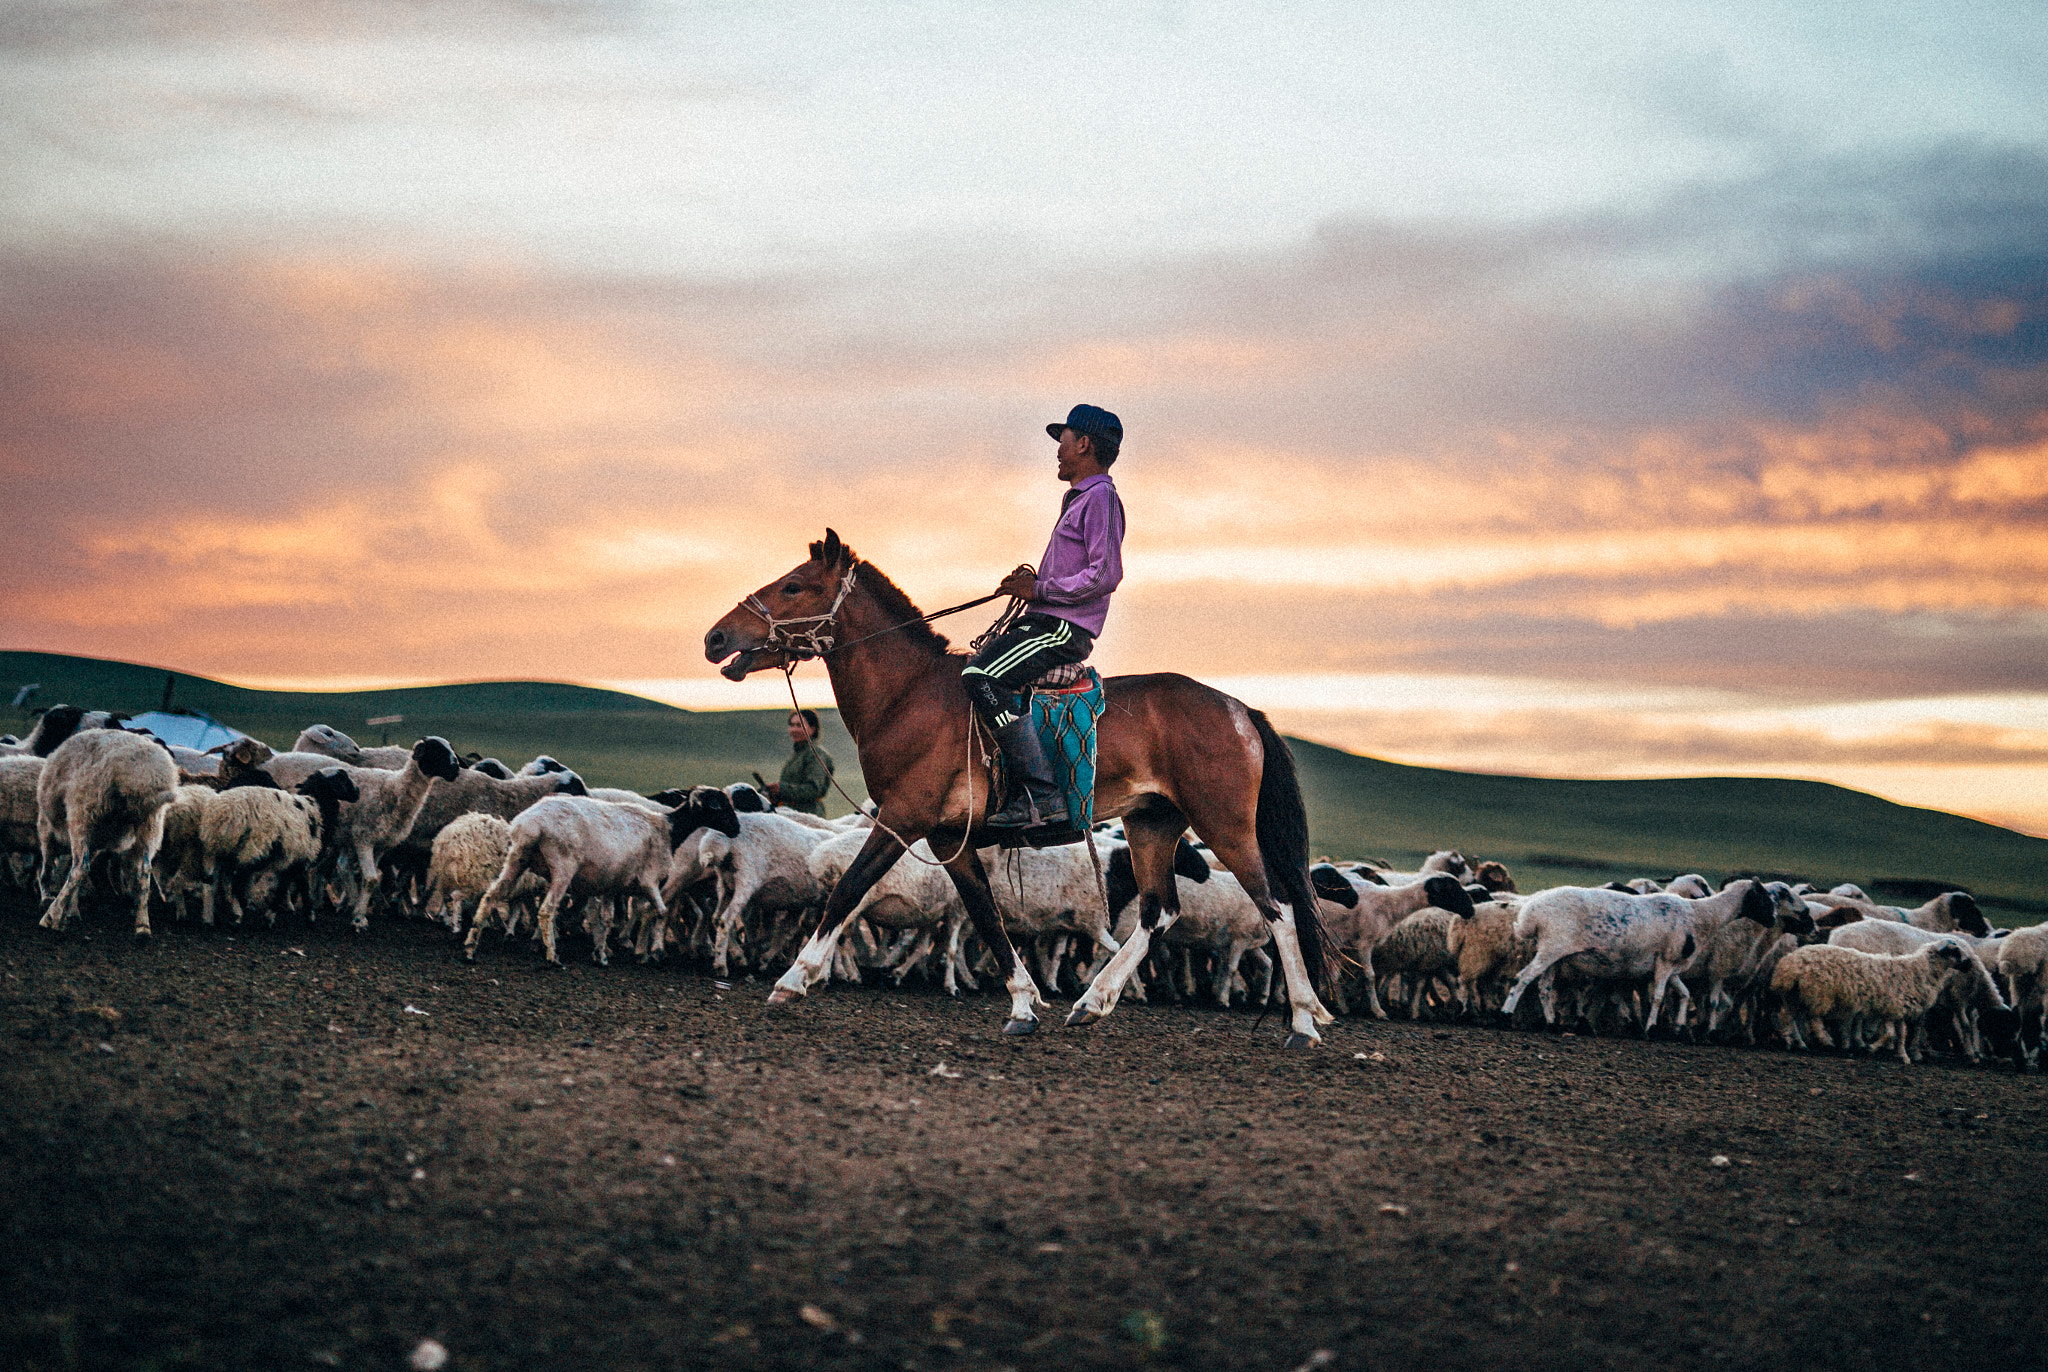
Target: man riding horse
{"x": 1066, "y": 604}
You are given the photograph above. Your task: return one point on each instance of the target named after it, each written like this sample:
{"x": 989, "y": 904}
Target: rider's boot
{"x": 1035, "y": 800}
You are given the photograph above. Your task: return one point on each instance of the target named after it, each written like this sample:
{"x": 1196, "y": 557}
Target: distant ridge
{"x": 1548, "y": 830}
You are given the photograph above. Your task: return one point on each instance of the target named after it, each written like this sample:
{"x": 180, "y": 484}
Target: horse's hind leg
{"x": 1239, "y": 851}
{"x": 1152, "y": 843}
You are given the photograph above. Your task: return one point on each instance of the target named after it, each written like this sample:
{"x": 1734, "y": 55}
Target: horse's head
{"x": 775, "y": 626}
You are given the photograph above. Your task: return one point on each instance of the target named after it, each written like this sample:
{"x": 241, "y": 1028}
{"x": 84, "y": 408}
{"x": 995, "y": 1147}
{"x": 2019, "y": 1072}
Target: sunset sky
{"x": 1581, "y": 389}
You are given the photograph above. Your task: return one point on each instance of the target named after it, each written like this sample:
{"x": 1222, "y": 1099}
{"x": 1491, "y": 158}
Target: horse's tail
{"x": 1283, "y": 842}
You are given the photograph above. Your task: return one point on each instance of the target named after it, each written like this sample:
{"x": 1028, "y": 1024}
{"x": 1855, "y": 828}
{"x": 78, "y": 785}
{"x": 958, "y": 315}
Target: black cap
{"x": 1092, "y": 420}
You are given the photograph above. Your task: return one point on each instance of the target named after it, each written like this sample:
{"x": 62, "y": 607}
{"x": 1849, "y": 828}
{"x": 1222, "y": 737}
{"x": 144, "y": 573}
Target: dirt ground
{"x": 303, "y": 1149}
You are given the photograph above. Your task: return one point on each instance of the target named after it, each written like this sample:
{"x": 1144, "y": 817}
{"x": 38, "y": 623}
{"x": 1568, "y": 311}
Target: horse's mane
{"x": 896, "y": 605}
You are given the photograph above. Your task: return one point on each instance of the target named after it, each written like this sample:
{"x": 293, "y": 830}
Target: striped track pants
{"x": 1033, "y": 646}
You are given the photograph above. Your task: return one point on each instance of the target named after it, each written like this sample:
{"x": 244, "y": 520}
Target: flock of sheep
{"x": 332, "y": 827}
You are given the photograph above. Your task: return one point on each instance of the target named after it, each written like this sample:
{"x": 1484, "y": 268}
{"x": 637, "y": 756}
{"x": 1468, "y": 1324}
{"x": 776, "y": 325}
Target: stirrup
{"x": 1056, "y": 834}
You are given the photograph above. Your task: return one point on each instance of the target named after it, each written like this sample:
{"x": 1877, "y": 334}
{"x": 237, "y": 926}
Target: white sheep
{"x": 1216, "y": 917}
{"x": 1823, "y": 982}
{"x": 1611, "y": 936}
{"x": 323, "y": 738}
{"x": 763, "y": 867}
{"x": 383, "y": 815}
{"x": 914, "y": 895}
{"x": 1358, "y": 913}
{"x": 1944, "y": 914}
{"x": 591, "y": 849}
{"x": 1050, "y": 895}
{"x": 18, "y": 778}
{"x": 104, "y": 791}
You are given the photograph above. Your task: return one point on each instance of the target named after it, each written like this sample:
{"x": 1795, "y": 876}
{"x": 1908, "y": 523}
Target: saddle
{"x": 1066, "y": 676}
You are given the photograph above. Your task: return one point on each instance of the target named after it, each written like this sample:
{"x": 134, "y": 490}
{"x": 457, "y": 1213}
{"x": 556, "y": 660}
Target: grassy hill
{"x": 1549, "y": 831}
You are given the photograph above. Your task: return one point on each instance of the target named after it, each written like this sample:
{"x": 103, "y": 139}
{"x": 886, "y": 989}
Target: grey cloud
{"x": 1787, "y": 656}
{"x": 42, "y": 25}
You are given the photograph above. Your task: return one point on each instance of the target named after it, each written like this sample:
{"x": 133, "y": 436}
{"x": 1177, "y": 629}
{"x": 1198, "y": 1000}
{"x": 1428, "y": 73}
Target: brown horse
{"x": 1172, "y": 754}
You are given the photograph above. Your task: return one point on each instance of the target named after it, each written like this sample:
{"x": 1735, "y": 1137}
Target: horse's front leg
{"x": 814, "y": 961}
{"x": 970, "y": 878}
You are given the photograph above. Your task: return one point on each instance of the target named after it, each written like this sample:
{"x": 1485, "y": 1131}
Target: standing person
{"x": 1067, "y": 602}
{"x": 808, "y": 773}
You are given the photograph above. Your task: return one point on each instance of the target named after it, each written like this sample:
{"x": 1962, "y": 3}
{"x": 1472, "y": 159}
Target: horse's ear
{"x": 834, "y": 551}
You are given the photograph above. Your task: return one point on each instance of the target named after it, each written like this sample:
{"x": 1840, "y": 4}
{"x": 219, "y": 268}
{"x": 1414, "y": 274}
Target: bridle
{"x": 801, "y": 645}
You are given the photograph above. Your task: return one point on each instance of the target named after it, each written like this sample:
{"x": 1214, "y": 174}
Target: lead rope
{"x": 789, "y": 680}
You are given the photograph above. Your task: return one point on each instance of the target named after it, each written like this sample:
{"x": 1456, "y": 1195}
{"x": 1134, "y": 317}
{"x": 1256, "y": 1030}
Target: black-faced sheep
{"x": 382, "y": 817}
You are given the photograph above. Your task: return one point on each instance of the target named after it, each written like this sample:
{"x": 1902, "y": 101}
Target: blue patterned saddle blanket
{"x": 1065, "y": 716}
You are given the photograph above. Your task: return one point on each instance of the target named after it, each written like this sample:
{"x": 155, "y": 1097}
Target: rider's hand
{"x": 1020, "y": 583}
{"x": 775, "y": 791}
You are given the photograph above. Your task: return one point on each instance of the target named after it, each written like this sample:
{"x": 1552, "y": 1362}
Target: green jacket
{"x": 805, "y": 779}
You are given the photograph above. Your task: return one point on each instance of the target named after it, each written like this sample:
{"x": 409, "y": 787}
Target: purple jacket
{"x": 1084, "y": 561}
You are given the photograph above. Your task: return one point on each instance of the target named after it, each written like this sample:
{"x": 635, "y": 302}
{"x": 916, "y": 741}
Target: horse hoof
{"x": 1300, "y": 1041}
{"x": 1016, "y": 1028}
{"x": 782, "y": 995}
{"x": 1081, "y": 1015}
{"x": 142, "y": 936}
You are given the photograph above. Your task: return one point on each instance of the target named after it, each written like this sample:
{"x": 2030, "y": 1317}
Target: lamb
{"x": 1488, "y": 952}
{"x": 1615, "y": 937}
{"x": 1944, "y": 914}
{"x": 106, "y": 791}
{"x": 467, "y": 857}
{"x": 179, "y": 867}
{"x": 1358, "y": 914}
{"x": 1967, "y": 999}
{"x": 1418, "y": 950}
{"x": 1823, "y": 982}
{"x": 383, "y": 816}
{"x": 591, "y": 849}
